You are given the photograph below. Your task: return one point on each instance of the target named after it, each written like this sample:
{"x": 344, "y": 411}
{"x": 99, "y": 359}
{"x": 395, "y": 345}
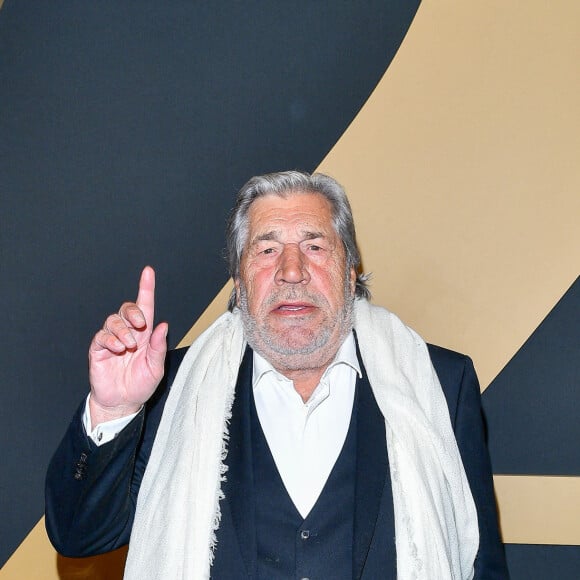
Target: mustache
{"x": 293, "y": 294}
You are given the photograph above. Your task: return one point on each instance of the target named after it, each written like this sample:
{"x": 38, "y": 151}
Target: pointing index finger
{"x": 146, "y": 295}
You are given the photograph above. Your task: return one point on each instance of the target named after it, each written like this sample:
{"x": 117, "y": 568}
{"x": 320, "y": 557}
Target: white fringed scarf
{"x": 178, "y": 510}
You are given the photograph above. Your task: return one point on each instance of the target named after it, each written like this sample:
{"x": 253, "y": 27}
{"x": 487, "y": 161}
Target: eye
{"x": 268, "y": 251}
{"x": 314, "y": 248}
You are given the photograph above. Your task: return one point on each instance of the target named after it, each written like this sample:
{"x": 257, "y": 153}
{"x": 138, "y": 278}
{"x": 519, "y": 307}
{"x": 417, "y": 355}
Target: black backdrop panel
{"x": 533, "y": 562}
{"x": 125, "y": 130}
{"x": 533, "y": 428}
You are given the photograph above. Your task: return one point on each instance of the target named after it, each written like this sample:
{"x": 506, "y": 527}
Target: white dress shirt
{"x": 305, "y": 439}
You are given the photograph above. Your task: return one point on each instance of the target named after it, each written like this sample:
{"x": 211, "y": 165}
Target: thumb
{"x": 158, "y": 346}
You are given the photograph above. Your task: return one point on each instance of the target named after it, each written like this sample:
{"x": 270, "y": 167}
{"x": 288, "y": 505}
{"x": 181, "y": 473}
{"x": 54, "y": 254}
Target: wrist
{"x": 102, "y": 413}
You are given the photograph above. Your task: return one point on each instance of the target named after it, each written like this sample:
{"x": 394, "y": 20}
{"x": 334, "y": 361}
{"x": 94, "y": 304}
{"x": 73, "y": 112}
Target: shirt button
{"x": 305, "y": 534}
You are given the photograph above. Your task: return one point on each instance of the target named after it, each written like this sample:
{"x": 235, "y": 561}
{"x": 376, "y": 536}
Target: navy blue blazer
{"x": 91, "y": 491}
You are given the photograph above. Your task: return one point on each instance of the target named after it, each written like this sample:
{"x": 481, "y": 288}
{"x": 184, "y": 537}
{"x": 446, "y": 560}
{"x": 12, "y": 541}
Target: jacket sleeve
{"x": 91, "y": 491}
{"x": 469, "y": 427}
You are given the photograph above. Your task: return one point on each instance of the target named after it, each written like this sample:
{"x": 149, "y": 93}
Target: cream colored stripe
{"x": 539, "y": 509}
{"x": 36, "y": 559}
{"x": 463, "y": 173}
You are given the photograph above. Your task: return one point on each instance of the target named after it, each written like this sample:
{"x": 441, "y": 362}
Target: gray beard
{"x": 314, "y": 352}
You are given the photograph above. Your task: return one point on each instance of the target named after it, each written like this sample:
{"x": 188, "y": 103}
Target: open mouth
{"x": 293, "y": 308}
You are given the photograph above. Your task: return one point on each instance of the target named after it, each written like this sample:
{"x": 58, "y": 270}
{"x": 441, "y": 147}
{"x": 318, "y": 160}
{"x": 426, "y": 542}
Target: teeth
{"x": 291, "y": 307}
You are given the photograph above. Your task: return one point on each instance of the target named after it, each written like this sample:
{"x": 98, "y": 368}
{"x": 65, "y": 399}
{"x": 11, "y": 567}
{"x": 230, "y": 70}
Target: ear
{"x": 352, "y": 281}
{"x": 237, "y": 288}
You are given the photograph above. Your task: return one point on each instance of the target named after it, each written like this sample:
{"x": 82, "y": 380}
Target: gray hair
{"x": 283, "y": 184}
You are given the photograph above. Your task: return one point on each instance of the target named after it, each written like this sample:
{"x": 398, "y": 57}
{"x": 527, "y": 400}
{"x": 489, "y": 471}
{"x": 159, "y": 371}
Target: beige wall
{"x": 463, "y": 169}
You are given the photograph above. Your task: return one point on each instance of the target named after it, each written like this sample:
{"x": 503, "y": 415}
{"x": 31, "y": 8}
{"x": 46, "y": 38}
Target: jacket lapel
{"x": 373, "y": 482}
{"x": 239, "y": 485}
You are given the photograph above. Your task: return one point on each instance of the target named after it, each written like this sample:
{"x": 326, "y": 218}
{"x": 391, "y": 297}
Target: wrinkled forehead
{"x": 304, "y": 211}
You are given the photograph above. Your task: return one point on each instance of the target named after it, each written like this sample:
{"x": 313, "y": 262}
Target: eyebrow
{"x": 267, "y": 237}
{"x": 273, "y": 236}
{"x": 314, "y": 235}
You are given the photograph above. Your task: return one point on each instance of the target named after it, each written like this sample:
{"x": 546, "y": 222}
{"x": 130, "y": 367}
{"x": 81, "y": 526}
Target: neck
{"x": 304, "y": 369}
{"x": 305, "y": 381}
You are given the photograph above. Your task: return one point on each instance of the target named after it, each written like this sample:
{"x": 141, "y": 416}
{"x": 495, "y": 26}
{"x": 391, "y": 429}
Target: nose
{"x": 292, "y": 267}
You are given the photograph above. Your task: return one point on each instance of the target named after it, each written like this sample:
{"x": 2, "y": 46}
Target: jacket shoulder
{"x": 449, "y": 365}
{"x": 454, "y": 370}
{"x": 445, "y": 356}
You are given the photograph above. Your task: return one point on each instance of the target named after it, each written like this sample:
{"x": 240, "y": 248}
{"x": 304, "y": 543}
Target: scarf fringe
{"x": 178, "y": 511}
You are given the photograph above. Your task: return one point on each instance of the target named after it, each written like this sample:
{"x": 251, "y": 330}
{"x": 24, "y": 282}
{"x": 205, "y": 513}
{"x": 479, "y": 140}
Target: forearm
{"x": 90, "y": 508}
{"x": 90, "y": 491}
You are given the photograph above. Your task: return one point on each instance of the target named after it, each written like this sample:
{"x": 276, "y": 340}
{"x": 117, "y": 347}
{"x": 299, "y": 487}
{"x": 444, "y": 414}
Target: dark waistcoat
{"x": 244, "y": 526}
{"x": 290, "y": 547}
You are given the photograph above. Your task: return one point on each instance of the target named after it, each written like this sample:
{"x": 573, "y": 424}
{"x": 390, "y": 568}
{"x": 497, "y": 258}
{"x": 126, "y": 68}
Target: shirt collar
{"x": 346, "y": 355}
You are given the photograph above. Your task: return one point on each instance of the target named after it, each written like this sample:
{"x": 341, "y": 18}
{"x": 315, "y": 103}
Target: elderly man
{"x": 306, "y": 434}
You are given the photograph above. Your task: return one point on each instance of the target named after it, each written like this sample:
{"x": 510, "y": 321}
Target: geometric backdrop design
{"x": 125, "y": 132}
{"x": 545, "y": 373}
{"x": 531, "y": 405}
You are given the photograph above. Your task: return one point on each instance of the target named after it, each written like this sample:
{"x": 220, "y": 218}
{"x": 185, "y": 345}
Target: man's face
{"x": 294, "y": 291}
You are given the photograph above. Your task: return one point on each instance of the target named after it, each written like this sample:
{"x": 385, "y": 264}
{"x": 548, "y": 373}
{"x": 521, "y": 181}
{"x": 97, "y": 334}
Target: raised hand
{"x": 127, "y": 356}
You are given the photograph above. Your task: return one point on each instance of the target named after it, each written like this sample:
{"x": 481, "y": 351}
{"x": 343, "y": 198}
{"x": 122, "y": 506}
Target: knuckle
{"x": 99, "y": 337}
{"x": 128, "y": 310}
{"x": 111, "y": 321}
